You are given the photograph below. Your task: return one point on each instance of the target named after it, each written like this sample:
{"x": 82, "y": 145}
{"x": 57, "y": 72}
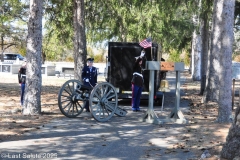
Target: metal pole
{"x": 177, "y": 99}
{"x": 176, "y": 115}
{"x": 151, "y": 90}
{"x": 162, "y": 101}
{"x": 150, "y": 115}
{"x": 151, "y": 54}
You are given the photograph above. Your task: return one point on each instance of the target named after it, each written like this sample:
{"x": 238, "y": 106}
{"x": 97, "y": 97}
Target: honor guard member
{"x": 89, "y": 77}
{"x": 137, "y": 82}
{"x": 22, "y": 80}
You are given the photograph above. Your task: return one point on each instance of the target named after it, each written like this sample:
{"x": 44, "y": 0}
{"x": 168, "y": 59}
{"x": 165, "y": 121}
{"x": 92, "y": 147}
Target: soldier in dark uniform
{"x": 22, "y": 80}
{"x": 137, "y": 82}
{"x": 89, "y": 77}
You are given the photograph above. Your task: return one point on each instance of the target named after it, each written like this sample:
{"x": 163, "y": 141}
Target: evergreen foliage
{"x": 168, "y": 23}
{"x": 124, "y": 21}
{"x": 13, "y": 15}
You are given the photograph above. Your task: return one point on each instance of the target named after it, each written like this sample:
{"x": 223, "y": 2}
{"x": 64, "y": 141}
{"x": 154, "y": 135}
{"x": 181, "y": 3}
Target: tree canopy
{"x": 169, "y": 23}
{"x": 123, "y": 21}
{"x": 13, "y": 14}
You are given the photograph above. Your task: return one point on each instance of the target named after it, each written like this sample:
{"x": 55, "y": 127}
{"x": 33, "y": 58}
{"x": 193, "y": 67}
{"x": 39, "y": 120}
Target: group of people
{"x": 89, "y": 78}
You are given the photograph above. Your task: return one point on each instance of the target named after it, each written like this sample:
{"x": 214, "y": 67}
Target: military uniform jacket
{"x": 91, "y": 74}
{"x": 22, "y": 75}
{"x": 137, "y": 74}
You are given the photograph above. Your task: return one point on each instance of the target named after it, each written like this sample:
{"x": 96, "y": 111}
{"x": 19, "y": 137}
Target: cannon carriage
{"x": 103, "y": 100}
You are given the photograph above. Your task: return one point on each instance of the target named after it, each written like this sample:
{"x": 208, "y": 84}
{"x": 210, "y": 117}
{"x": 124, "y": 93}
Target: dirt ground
{"x": 202, "y": 132}
{"x": 12, "y": 123}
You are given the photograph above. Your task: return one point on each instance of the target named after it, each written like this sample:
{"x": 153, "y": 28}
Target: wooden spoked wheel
{"x": 69, "y": 101}
{"x": 103, "y": 101}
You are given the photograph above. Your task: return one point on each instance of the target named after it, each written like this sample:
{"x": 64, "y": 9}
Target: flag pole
{"x": 151, "y": 53}
{"x": 151, "y": 49}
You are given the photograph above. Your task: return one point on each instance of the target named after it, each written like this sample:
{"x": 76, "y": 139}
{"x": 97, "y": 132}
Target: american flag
{"x": 146, "y": 43}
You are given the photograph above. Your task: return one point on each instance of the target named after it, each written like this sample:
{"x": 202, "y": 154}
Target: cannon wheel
{"x": 68, "y": 103}
{"x": 103, "y": 101}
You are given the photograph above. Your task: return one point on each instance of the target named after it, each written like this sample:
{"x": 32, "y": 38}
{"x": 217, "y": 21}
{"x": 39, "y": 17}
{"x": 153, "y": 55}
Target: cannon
{"x": 103, "y": 100}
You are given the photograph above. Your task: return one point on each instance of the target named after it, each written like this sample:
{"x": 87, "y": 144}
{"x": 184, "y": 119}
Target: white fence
{"x": 67, "y": 66}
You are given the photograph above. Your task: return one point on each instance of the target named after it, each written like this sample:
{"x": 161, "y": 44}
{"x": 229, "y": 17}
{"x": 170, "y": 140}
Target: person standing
{"x": 89, "y": 77}
{"x": 22, "y": 80}
{"x": 137, "y": 82}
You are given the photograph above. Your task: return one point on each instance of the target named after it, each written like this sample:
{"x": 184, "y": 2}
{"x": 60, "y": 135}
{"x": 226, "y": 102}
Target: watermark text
{"x": 28, "y": 155}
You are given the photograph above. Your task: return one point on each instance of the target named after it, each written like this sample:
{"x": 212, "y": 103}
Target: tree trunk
{"x": 231, "y": 149}
{"x": 32, "y": 97}
{"x": 197, "y": 47}
{"x": 220, "y": 57}
{"x": 196, "y": 55}
{"x": 204, "y": 55}
{"x": 223, "y": 46}
{"x": 80, "y": 52}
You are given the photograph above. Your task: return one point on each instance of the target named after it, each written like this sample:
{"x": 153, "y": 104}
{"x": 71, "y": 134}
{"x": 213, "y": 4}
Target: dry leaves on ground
{"x": 201, "y": 133}
{"x": 13, "y": 123}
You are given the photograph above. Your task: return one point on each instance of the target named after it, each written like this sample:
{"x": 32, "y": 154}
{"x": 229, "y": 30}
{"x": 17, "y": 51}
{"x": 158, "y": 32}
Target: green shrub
{"x": 174, "y": 56}
{"x": 98, "y": 58}
{"x": 69, "y": 59}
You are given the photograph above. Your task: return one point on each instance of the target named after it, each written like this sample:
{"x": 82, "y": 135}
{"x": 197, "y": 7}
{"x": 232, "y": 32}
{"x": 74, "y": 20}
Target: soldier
{"x": 137, "y": 82}
{"x": 89, "y": 77}
{"x": 22, "y": 80}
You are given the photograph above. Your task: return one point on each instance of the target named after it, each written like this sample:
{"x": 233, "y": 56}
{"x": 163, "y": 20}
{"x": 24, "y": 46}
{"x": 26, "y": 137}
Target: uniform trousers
{"x": 22, "y": 93}
{"x": 87, "y": 102}
{"x": 136, "y": 95}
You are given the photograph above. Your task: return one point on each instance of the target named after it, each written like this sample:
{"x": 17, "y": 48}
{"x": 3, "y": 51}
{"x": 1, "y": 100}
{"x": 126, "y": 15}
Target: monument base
{"x": 175, "y": 116}
{"x": 151, "y": 117}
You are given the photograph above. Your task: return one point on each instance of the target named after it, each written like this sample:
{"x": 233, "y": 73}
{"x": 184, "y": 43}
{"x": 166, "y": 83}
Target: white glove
{"x": 142, "y": 54}
{"x": 87, "y": 80}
